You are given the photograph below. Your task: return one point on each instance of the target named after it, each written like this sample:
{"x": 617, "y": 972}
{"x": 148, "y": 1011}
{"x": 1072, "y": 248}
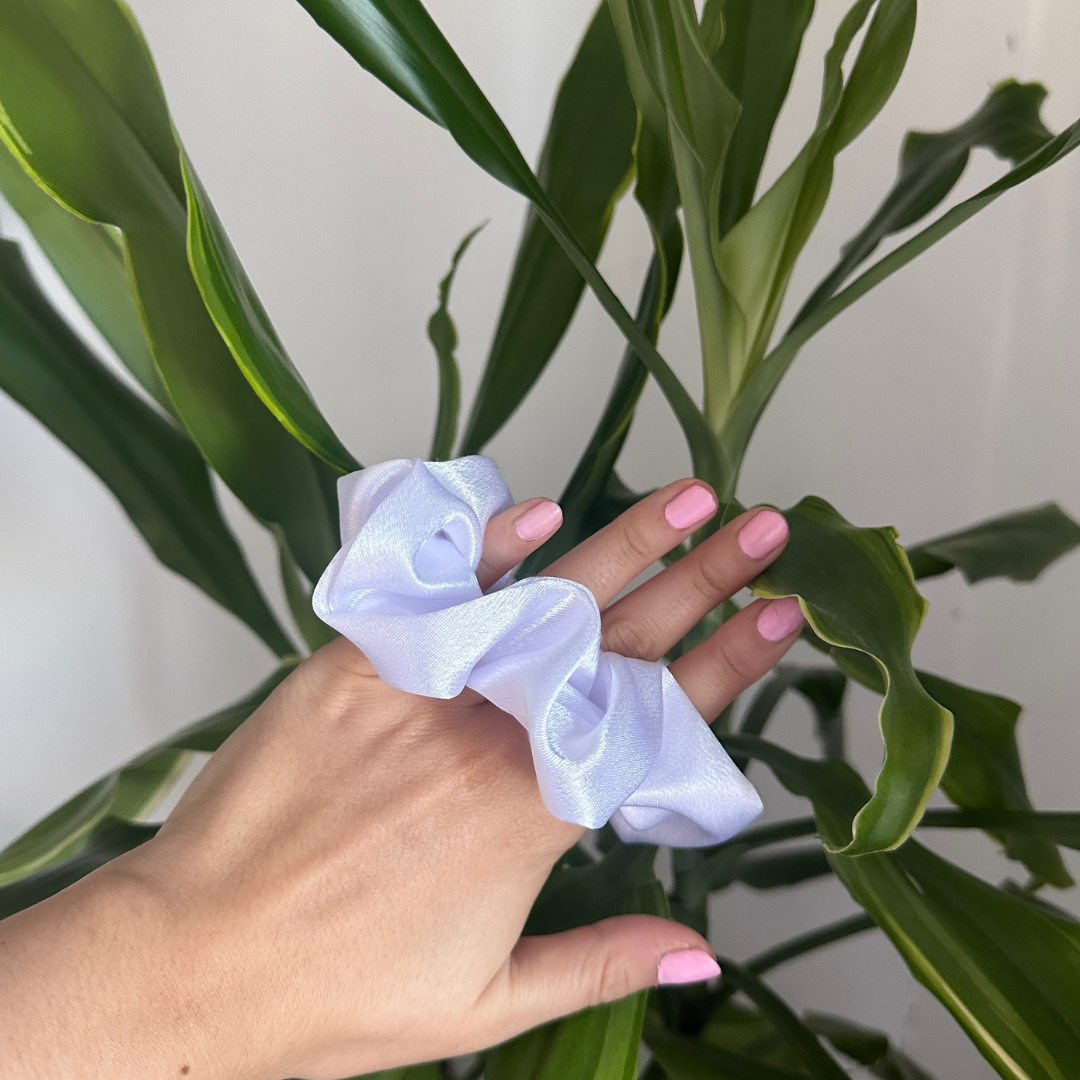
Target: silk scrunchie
{"x": 612, "y": 738}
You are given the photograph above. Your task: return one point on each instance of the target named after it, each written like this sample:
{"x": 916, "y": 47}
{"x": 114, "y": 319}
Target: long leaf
{"x": 128, "y": 793}
{"x": 683, "y": 101}
{"x": 930, "y": 165}
{"x": 242, "y": 320}
{"x": 766, "y": 377}
{"x": 866, "y": 1046}
{"x": 801, "y": 1038}
{"x": 856, "y": 590}
{"x": 90, "y": 261}
{"x": 109, "y": 839}
{"x": 756, "y": 59}
{"x": 1020, "y": 546}
{"x": 152, "y": 469}
{"x": 1008, "y": 969}
{"x": 84, "y": 113}
{"x": 688, "y": 1059}
{"x": 984, "y": 771}
{"x": 443, "y": 336}
{"x": 397, "y": 41}
{"x": 756, "y": 258}
{"x": 584, "y": 165}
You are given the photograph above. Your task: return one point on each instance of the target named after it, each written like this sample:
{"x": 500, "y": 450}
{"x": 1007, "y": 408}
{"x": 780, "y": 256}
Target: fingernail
{"x": 780, "y": 618}
{"x": 763, "y": 533}
{"x": 691, "y": 506}
{"x": 686, "y": 966}
{"x": 538, "y": 520}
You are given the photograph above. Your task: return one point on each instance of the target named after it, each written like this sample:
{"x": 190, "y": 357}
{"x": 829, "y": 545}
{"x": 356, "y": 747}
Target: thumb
{"x": 557, "y": 974}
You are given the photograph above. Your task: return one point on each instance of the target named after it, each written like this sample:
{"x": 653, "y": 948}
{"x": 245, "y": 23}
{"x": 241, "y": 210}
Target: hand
{"x": 343, "y": 887}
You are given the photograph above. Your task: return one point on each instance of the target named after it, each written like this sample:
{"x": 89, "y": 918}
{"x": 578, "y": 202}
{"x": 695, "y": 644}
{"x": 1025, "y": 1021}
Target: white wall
{"x": 948, "y": 395}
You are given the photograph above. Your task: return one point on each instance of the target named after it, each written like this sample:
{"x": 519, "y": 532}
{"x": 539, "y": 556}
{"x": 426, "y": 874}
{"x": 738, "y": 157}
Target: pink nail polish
{"x": 690, "y": 507}
{"x": 763, "y": 533}
{"x": 686, "y": 966}
{"x": 538, "y": 520}
{"x": 780, "y": 618}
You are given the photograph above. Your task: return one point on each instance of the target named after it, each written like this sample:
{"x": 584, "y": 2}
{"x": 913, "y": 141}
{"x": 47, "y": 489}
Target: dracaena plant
{"x": 678, "y": 107}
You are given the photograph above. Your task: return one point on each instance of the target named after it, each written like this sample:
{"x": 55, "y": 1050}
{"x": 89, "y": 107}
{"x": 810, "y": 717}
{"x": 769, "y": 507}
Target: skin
{"x": 342, "y": 889}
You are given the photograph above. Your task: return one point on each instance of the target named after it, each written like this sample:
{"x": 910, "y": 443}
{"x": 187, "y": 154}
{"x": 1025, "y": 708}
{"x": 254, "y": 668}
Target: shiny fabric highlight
{"x": 612, "y": 738}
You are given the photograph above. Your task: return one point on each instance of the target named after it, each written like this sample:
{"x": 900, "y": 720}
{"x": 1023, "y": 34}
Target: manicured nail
{"x": 780, "y": 618}
{"x": 686, "y": 966}
{"x": 763, "y": 533}
{"x": 538, "y": 520}
{"x": 690, "y": 507}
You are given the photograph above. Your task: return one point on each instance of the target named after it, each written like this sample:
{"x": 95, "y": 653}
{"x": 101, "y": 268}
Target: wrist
{"x": 93, "y": 984}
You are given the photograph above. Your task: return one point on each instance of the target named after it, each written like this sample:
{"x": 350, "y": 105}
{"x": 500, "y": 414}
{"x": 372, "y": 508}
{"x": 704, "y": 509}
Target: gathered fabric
{"x": 613, "y": 739}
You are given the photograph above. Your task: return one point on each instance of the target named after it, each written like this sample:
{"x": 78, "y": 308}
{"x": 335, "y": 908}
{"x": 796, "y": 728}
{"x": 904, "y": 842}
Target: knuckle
{"x": 613, "y": 978}
{"x": 637, "y": 541}
{"x": 710, "y": 575}
{"x": 734, "y": 661}
{"x": 627, "y": 637}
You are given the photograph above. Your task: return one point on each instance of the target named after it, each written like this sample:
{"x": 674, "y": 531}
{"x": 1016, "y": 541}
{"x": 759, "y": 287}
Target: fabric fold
{"x": 612, "y": 738}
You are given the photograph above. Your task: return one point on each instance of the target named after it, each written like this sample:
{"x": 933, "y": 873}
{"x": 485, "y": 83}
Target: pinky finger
{"x": 746, "y": 647}
{"x": 513, "y": 534}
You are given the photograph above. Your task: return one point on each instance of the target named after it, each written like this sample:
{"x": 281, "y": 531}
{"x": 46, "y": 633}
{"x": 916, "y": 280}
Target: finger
{"x": 648, "y": 621}
{"x": 610, "y": 559}
{"x": 747, "y": 646}
{"x": 557, "y": 974}
{"x": 513, "y": 534}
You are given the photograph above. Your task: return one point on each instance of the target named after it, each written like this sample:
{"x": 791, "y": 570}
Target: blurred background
{"x": 948, "y": 395}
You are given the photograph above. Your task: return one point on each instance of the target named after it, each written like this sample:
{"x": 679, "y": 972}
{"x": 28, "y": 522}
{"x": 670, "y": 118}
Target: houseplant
{"x": 684, "y": 108}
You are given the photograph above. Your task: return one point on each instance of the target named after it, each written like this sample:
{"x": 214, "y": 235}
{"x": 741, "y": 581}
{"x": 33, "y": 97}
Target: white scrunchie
{"x": 612, "y": 738}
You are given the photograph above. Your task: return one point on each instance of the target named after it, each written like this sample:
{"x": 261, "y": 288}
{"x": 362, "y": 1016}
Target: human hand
{"x": 343, "y": 887}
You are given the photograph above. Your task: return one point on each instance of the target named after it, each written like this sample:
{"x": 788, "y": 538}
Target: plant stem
{"x": 804, "y": 943}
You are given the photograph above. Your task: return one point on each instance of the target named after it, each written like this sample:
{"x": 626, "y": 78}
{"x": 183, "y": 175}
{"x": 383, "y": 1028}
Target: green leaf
{"x": 782, "y": 869}
{"x": 130, "y": 792}
{"x": 151, "y": 467}
{"x": 757, "y": 257}
{"x": 755, "y": 59}
{"x": 584, "y": 166}
{"x": 443, "y": 336}
{"x": 823, "y": 690}
{"x": 428, "y": 1071}
{"x": 1007, "y": 123}
{"x": 1058, "y": 826}
{"x": 59, "y": 831}
{"x": 243, "y": 323}
{"x": 745, "y": 1031}
{"x": 142, "y": 785}
{"x": 1020, "y": 546}
{"x": 762, "y": 383}
{"x": 866, "y": 1046}
{"x": 1007, "y": 969}
{"x": 593, "y": 485}
{"x": 681, "y": 97}
{"x": 110, "y": 838}
{"x": 84, "y": 113}
{"x": 298, "y": 591}
{"x": 688, "y": 1059}
{"x": 856, "y": 590}
{"x": 90, "y": 261}
{"x": 809, "y": 942}
{"x": 397, "y": 41}
{"x": 599, "y": 1043}
{"x": 984, "y": 771}
{"x": 801, "y": 1039}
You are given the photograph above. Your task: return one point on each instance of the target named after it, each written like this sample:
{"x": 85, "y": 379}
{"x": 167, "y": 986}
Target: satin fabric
{"x": 612, "y": 738}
